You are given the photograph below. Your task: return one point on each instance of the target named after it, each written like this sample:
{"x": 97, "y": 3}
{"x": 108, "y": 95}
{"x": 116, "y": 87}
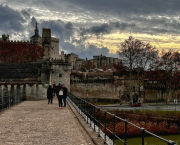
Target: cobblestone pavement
{"x": 40, "y": 123}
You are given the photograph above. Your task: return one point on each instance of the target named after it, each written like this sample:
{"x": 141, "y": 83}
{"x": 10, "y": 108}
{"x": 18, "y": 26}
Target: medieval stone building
{"x": 32, "y": 79}
{"x": 98, "y": 61}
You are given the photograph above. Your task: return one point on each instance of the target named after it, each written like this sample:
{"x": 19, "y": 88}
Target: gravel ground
{"x": 39, "y": 123}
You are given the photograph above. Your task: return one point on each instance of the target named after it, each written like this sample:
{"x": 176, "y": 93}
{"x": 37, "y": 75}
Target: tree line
{"x": 19, "y": 52}
{"x": 142, "y": 60}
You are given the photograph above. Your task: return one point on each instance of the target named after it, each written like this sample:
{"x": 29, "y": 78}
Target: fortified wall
{"x": 94, "y": 89}
{"x": 31, "y": 80}
{"x": 153, "y": 92}
{"x": 22, "y": 80}
{"x": 117, "y": 88}
{"x": 106, "y": 90}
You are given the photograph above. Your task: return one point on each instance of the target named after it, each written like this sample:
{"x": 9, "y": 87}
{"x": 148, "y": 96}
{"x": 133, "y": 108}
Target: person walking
{"x": 60, "y": 96}
{"x": 50, "y": 94}
{"x": 64, "y": 95}
{"x": 54, "y": 90}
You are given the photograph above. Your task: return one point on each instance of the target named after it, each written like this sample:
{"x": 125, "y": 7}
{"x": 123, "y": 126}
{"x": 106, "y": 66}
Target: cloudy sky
{"x": 94, "y": 27}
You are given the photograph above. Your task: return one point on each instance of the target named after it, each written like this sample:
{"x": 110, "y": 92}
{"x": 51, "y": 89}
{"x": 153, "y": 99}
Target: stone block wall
{"x": 28, "y": 91}
{"x": 61, "y": 74}
{"x": 36, "y": 91}
{"x": 104, "y": 90}
{"x": 94, "y": 90}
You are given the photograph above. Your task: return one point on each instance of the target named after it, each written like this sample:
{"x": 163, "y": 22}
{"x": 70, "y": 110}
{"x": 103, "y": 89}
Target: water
{"x": 150, "y": 140}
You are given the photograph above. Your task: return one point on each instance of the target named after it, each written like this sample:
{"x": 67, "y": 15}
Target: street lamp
{"x": 86, "y": 91}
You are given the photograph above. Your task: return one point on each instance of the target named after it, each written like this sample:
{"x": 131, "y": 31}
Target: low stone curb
{"x": 92, "y": 134}
{"x": 163, "y": 104}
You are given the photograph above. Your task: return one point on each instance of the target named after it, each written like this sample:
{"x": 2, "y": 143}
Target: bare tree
{"x": 137, "y": 56}
{"x": 170, "y": 64}
{"x": 145, "y": 61}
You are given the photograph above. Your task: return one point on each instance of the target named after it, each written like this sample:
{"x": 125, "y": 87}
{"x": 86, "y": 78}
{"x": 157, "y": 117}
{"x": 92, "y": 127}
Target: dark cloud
{"x": 124, "y": 7}
{"x": 105, "y": 28}
{"x": 89, "y": 18}
{"x": 25, "y": 14}
{"x": 10, "y": 19}
{"x": 88, "y": 52}
{"x": 59, "y": 28}
{"x": 33, "y": 22}
{"x": 115, "y": 7}
{"x": 65, "y": 31}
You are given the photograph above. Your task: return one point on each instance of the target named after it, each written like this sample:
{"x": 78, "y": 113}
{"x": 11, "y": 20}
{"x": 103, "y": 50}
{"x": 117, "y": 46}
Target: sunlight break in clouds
{"x": 154, "y": 22}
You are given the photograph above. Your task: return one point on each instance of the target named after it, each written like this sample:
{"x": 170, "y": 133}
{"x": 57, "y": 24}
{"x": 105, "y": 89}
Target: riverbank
{"x": 166, "y": 124}
{"x": 150, "y": 140}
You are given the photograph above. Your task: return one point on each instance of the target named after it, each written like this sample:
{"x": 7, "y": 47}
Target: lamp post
{"x": 86, "y": 91}
{"x": 156, "y": 99}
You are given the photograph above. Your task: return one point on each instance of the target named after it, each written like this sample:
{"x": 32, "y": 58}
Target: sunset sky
{"x": 94, "y": 27}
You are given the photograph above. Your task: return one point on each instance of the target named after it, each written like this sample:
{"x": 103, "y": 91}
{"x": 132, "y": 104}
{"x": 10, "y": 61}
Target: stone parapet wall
{"x": 25, "y": 92}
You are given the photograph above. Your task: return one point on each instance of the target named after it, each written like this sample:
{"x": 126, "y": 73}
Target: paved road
{"x": 39, "y": 123}
{"x": 159, "y": 107}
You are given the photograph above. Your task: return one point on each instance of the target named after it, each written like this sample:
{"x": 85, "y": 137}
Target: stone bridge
{"x": 37, "y": 122}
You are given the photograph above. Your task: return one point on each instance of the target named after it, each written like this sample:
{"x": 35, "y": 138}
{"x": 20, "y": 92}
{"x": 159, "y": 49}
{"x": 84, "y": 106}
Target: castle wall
{"x": 61, "y": 74}
{"x": 96, "y": 89}
{"x": 105, "y": 89}
{"x": 160, "y": 94}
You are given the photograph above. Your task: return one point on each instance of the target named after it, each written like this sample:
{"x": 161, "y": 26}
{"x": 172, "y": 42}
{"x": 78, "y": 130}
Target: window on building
{"x": 133, "y": 88}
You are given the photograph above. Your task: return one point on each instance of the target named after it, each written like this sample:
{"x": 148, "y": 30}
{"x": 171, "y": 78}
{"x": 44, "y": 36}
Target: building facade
{"x": 35, "y": 77}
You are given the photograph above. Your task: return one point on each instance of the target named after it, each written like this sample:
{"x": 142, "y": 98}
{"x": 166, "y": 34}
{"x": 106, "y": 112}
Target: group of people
{"x": 60, "y": 91}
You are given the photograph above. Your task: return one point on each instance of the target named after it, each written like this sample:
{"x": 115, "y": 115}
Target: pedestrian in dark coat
{"x": 54, "y": 90}
{"x": 58, "y": 88}
{"x": 50, "y": 94}
{"x": 60, "y": 97}
{"x": 64, "y": 95}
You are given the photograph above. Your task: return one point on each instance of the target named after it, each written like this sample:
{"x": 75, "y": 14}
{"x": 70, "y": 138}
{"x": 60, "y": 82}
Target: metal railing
{"x": 92, "y": 113}
{"x": 7, "y": 101}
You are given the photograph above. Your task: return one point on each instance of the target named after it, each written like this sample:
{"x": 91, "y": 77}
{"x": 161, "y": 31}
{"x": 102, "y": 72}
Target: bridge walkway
{"x": 40, "y": 123}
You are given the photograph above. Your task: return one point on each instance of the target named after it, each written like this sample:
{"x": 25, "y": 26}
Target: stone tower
{"x": 36, "y": 38}
{"x": 53, "y": 70}
{"x": 46, "y": 43}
